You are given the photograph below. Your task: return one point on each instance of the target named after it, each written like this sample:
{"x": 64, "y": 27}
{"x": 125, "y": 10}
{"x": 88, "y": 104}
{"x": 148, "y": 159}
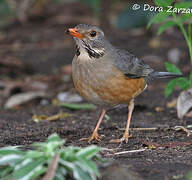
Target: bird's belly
{"x": 107, "y": 90}
{"x": 121, "y": 90}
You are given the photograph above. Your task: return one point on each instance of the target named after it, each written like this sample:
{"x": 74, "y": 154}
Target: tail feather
{"x": 156, "y": 74}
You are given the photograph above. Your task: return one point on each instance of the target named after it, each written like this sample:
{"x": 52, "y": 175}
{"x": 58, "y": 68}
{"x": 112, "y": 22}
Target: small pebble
{"x": 69, "y": 97}
{"x": 174, "y": 55}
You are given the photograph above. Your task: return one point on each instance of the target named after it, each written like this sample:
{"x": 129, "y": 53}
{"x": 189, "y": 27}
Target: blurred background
{"x": 36, "y": 54}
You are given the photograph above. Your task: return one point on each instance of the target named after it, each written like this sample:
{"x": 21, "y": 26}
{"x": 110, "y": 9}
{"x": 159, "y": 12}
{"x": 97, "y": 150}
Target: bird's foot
{"x": 94, "y": 136}
{"x": 121, "y": 140}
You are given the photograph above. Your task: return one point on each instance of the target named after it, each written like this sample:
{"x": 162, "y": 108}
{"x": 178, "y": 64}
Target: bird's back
{"x": 130, "y": 65}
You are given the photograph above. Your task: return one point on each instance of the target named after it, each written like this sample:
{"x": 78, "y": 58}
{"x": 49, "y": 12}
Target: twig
{"x": 141, "y": 129}
{"x": 178, "y": 128}
{"x": 127, "y": 152}
{"x": 145, "y": 129}
{"x": 52, "y": 168}
{"x": 175, "y": 128}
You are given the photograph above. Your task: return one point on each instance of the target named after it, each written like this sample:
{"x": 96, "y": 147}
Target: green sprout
{"x": 175, "y": 17}
{"x": 64, "y": 162}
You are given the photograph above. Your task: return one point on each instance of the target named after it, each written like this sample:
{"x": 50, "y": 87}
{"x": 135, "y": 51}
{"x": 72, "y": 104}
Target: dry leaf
{"x": 172, "y": 104}
{"x": 184, "y": 103}
{"x": 22, "y": 98}
{"x": 38, "y": 118}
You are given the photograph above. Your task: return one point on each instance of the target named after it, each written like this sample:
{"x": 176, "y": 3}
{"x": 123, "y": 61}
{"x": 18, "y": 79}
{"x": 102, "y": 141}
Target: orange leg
{"x": 126, "y": 133}
{"x": 95, "y": 134}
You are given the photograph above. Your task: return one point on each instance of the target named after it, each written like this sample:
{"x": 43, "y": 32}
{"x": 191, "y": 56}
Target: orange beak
{"x": 74, "y": 32}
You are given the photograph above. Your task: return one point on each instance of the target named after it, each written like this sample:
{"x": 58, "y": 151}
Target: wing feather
{"x": 131, "y": 65}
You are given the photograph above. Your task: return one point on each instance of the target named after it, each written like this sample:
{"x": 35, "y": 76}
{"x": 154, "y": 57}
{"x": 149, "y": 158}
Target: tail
{"x": 155, "y": 74}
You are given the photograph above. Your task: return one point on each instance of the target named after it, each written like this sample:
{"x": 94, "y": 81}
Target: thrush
{"x": 107, "y": 76}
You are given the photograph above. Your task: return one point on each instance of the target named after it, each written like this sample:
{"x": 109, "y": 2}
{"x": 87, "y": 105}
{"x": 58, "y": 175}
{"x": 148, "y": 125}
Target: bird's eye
{"x": 93, "y": 33}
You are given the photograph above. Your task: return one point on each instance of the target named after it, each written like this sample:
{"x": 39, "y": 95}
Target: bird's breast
{"x": 103, "y": 84}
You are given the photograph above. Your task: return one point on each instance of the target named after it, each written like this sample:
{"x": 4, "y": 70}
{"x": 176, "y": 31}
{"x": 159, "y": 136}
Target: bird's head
{"x": 89, "y": 38}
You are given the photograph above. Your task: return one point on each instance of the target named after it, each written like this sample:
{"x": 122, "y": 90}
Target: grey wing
{"x": 131, "y": 65}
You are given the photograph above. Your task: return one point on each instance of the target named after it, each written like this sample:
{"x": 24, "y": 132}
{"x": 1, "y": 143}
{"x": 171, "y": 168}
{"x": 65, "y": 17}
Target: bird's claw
{"x": 94, "y": 136}
{"x": 125, "y": 139}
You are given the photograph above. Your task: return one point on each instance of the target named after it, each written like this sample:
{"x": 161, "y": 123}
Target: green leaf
{"x": 89, "y": 165}
{"x": 70, "y": 167}
{"x": 27, "y": 170}
{"x": 59, "y": 176}
{"x": 10, "y": 150}
{"x": 190, "y": 35}
{"x": 99, "y": 159}
{"x": 180, "y": 82}
{"x": 183, "y": 83}
{"x": 5, "y": 171}
{"x": 172, "y": 68}
{"x": 78, "y": 106}
{"x": 33, "y": 154}
{"x": 190, "y": 77}
{"x": 10, "y": 159}
{"x": 51, "y": 145}
{"x": 160, "y": 17}
{"x": 36, "y": 172}
{"x": 67, "y": 164}
{"x": 80, "y": 174}
{"x": 185, "y": 17}
{"x": 9, "y": 177}
{"x": 62, "y": 170}
{"x": 54, "y": 137}
{"x": 68, "y": 153}
{"x": 170, "y": 87}
{"x": 165, "y": 26}
{"x": 163, "y": 3}
{"x": 88, "y": 152}
{"x": 183, "y": 5}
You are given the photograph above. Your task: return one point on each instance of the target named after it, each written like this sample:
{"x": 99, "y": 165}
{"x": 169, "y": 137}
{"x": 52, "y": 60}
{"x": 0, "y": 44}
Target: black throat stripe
{"x": 77, "y": 51}
{"x": 93, "y": 54}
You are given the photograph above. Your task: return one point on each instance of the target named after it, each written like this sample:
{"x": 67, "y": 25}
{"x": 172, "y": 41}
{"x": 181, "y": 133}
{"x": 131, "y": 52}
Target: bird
{"x": 108, "y": 76}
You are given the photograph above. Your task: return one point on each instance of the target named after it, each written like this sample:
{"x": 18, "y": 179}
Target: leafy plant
{"x": 183, "y": 21}
{"x": 73, "y": 162}
{"x": 183, "y": 82}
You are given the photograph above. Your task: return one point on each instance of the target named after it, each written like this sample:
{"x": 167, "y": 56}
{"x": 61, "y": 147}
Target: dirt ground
{"x": 46, "y": 50}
